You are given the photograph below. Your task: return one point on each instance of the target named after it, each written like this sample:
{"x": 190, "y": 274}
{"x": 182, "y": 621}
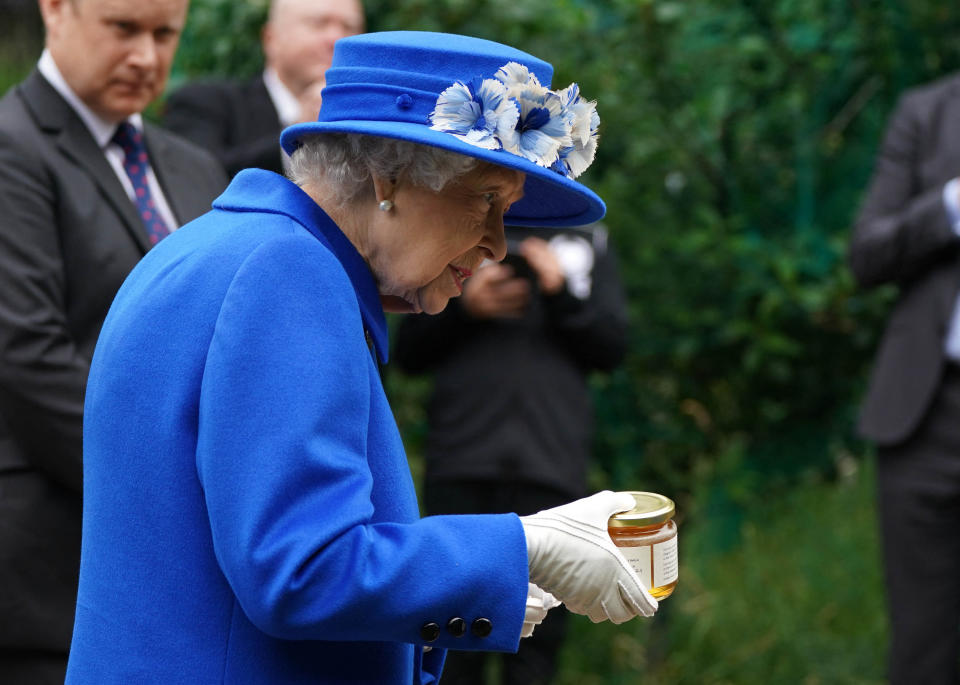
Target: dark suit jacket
{"x": 903, "y": 236}
{"x": 236, "y": 121}
{"x": 69, "y": 235}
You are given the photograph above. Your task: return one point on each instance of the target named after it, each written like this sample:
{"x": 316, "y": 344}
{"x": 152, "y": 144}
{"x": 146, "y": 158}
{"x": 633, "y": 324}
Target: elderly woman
{"x": 249, "y": 516}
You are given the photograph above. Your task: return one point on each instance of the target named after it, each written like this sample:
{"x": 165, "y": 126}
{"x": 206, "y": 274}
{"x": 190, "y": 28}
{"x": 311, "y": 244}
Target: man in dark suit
{"x": 908, "y": 234}
{"x": 77, "y": 211}
{"x": 240, "y": 122}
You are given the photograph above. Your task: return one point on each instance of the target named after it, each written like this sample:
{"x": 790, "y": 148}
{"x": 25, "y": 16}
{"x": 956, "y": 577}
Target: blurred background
{"x": 737, "y": 139}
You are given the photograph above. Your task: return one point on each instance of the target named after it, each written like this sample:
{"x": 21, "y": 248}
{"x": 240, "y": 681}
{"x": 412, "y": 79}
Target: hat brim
{"x": 549, "y": 199}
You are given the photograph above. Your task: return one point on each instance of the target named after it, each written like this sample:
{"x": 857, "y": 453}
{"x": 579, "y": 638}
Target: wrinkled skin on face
{"x": 114, "y": 54}
{"x": 423, "y": 249}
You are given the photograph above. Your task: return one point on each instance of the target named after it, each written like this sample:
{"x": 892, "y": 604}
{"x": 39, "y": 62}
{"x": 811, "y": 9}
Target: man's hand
{"x": 494, "y": 292}
{"x": 544, "y": 262}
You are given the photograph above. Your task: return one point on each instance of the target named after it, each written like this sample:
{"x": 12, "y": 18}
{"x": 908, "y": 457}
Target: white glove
{"x": 572, "y": 557}
{"x": 538, "y": 604}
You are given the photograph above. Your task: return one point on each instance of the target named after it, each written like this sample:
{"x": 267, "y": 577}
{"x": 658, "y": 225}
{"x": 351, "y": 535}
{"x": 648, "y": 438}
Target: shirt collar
{"x": 101, "y": 129}
{"x": 264, "y": 191}
{"x": 285, "y": 102}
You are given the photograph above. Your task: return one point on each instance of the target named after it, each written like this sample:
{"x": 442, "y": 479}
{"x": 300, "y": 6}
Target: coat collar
{"x": 264, "y": 191}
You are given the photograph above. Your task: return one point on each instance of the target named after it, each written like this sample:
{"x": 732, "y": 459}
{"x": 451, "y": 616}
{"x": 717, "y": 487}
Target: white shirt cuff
{"x": 951, "y": 203}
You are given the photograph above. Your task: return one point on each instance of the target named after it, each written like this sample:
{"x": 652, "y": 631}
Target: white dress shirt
{"x": 102, "y": 132}
{"x": 285, "y": 102}
{"x": 951, "y": 203}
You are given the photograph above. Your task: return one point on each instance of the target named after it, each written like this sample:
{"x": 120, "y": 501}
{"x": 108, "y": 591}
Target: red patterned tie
{"x": 136, "y": 163}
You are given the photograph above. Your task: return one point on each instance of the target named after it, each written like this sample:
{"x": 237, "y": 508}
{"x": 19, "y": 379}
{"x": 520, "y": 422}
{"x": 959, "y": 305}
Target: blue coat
{"x": 249, "y": 515}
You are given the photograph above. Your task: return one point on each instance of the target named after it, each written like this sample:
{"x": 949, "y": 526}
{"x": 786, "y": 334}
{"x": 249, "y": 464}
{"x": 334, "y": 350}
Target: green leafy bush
{"x": 221, "y": 38}
{"x": 798, "y": 600}
{"x": 737, "y": 139}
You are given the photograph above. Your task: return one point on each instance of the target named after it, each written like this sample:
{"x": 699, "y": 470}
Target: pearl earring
{"x": 386, "y": 205}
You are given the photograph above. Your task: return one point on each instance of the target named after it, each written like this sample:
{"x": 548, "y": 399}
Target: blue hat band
{"x": 375, "y": 102}
{"x": 374, "y": 76}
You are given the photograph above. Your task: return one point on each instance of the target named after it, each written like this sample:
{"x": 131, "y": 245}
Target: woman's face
{"x": 423, "y": 249}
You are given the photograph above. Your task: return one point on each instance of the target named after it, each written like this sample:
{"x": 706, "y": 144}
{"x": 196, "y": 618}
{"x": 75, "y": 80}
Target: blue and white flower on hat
{"x": 478, "y": 112}
{"x": 584, "y": 124}
{"x": 517, "y": 79}
{"x": 542, "y": 129}
{"x": 515, "y": 113}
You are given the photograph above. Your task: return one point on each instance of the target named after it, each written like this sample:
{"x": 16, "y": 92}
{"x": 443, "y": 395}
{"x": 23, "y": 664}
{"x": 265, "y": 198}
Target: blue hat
{"x": 471, "y": 96}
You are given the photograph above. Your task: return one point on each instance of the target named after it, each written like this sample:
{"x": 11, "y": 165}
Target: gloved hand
{"x": 572, "y": 557}
{"x": 538, "y": 604}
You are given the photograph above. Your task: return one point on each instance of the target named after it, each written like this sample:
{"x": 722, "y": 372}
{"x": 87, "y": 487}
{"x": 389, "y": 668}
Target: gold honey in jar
{"x": 647, "y": 537}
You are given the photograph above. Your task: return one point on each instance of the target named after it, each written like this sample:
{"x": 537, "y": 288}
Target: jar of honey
{"x": 647, "y": 537}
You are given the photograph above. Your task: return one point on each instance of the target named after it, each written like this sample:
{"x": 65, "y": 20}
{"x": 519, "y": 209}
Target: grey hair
{"x": 343, "y": 164}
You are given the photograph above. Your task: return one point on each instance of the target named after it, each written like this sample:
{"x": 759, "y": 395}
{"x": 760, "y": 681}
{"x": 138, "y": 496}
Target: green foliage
{"x": 222, "y": 37}
{"x": 737, "y": 139}
{"x": 797, "y": 601}
{"x": 21, "y": 40}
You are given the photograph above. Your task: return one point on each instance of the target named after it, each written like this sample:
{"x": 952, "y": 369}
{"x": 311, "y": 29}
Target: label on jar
{"x": 656, "y": 564}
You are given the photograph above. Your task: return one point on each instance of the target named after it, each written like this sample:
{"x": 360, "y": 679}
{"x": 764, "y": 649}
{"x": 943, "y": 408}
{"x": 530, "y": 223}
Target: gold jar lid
{"x": 649, "y": 510}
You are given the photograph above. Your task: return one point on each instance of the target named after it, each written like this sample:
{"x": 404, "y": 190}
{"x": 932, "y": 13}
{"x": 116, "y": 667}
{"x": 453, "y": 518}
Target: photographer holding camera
{"x": 511, "y": 417}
